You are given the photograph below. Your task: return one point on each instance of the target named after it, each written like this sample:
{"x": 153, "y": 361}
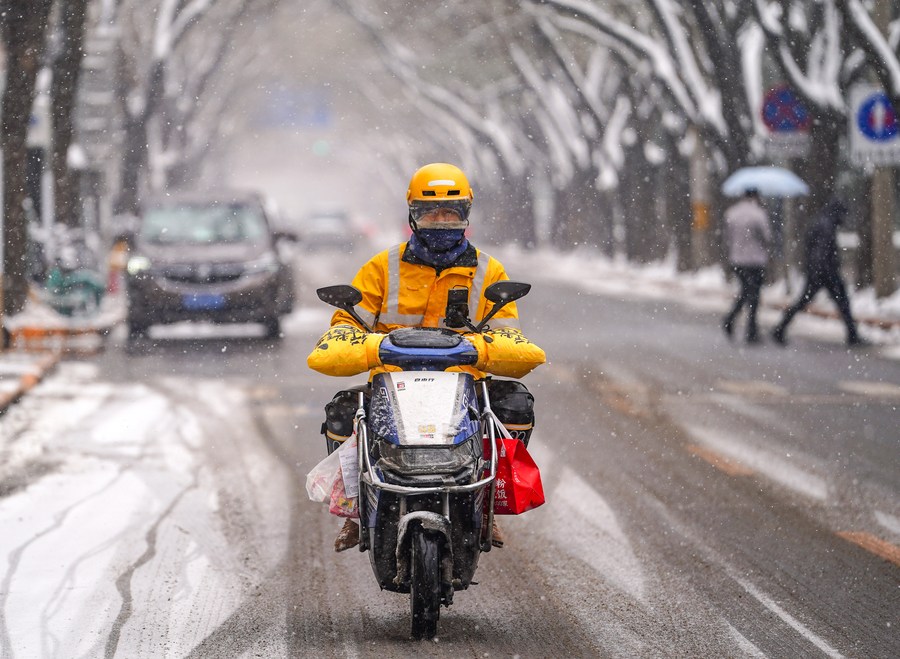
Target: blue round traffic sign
{"x": 876, "y": 118}
{"x": 784, "y": 112}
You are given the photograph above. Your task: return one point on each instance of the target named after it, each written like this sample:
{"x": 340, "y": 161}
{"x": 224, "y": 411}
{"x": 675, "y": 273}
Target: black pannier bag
{"x": 514, "y": 406}
{"x": 339, "y": 413}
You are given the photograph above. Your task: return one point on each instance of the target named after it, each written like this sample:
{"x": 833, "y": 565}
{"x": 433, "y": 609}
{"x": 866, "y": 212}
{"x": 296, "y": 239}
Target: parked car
{"x": 207, "y": 257}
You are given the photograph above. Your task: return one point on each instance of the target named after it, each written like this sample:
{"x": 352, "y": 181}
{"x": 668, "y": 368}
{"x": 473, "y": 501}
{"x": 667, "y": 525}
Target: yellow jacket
{"x": 401, "y": 291}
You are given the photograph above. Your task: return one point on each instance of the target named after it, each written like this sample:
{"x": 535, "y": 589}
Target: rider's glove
{"x": 345, "y": 350}
{"x": 506, "y": 352}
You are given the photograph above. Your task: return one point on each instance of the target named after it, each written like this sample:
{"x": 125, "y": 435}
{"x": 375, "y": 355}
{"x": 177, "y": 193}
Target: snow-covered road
{"x": 140, "y": 495}
{"x": 703, "y": 499}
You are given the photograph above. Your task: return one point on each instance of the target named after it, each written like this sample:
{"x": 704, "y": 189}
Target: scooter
{"x": 74, "y": 292}
{"x": 426, "y": 486}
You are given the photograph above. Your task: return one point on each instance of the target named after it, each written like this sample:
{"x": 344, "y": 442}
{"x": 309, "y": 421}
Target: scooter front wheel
{"x": 425, "y": 584}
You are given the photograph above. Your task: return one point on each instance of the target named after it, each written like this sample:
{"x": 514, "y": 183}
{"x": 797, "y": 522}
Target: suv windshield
{"x": 194, "y": 224}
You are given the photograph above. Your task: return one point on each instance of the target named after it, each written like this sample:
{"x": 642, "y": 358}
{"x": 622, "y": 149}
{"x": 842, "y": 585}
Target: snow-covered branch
{"x": 663, "y": 65}
{"x": 708, "y": 98}
{"x": 817, "y": 78}
{"x": 876, "y": 45}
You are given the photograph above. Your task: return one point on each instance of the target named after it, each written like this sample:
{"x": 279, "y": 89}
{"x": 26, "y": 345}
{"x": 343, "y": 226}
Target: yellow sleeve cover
{"x": 345, "y": 350}
{"x": 509, "y": 353}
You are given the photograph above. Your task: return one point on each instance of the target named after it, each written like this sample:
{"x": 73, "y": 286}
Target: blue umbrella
{"x": 769, "y": 181}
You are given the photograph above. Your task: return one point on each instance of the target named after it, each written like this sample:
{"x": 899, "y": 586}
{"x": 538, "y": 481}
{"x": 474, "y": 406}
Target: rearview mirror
{"x": 344, "y": 297}
{"x": 341, "y": 296}
{"x": 503, "y": 292}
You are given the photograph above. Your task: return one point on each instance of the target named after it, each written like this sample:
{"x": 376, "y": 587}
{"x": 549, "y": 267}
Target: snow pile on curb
{"x": 38, "y": 314}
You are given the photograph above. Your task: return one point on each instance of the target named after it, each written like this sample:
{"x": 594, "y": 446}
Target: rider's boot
{"x": 348, "y": 537}
{"x": 496, "y": 535}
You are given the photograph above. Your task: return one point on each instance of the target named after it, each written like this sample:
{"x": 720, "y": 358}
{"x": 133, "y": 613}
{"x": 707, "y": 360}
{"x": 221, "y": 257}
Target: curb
{"x": 70, "y": 340}
{"x": 29, "y": 379}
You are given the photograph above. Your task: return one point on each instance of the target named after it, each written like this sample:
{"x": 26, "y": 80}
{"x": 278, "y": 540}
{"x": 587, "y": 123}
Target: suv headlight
{"x": 267, "y": 263}
{"x": 138, "y": 264}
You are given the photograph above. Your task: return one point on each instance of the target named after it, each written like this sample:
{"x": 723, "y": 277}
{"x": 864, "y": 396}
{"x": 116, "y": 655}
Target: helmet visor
{"x": 443, "y": 214}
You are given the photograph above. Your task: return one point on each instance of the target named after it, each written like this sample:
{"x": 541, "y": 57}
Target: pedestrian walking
{"x": 748, "y": 236}
{"x": 823, "y": 270}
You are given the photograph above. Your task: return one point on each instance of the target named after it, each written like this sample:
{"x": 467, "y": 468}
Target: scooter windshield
{"x": 423, "y": 408}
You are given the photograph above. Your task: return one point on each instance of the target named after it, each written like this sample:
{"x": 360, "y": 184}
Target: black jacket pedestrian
{"x": 823, "y": 270}
{"x": 822, "y": 260}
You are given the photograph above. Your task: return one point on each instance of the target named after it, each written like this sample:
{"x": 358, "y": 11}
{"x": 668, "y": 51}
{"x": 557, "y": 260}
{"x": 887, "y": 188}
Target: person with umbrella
{"x": 823, "y": 270}
{"x": 748, "y": 237}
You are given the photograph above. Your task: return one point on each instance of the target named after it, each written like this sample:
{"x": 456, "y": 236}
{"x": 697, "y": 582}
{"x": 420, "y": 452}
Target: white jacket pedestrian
{"x": 747, "y": 233}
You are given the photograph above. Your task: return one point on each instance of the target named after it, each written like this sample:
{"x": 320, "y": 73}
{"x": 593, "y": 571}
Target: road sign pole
{"x": 883, "y": 202}
{"x": 883, "y": 257}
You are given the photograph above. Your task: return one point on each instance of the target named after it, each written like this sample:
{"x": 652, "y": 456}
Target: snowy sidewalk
{"x": 706, "y": 289}
{"x": 40, "y": 337}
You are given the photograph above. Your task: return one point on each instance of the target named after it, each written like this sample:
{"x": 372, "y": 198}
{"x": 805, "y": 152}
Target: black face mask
{"x": 438, "y": 250}
{"x": 440, "y": 241}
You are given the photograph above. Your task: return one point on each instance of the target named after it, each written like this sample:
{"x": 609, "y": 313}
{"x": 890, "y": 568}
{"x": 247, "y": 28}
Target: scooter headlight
{"x": 420, "y": 460}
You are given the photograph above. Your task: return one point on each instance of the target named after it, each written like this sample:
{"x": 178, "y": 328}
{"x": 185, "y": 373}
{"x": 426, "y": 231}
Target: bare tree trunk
{"x": 24, "y": 25}
{"x": 701, "y": 202}
{"x": 134, "y": 165}
{"x": 66, "y": 71}
{"x": 581, "y": 217}
{"x": 598, "y": 218}
{"x": 135, "y": 162}
{"x": 638, "y": 198}
{"x": 606, "y": 240}
{"x": 505, "y": 214}
{"x": 522, "y": 216}
{"x": 678, "y": 208}
{"x": 864, "y": 274}
{"x": 560, "y": 231}
{"x": 658, "y": 226}
{"x": 883, "y": 257}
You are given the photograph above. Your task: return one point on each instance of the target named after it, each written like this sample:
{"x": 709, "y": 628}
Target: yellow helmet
{"x": 439, "y": 185}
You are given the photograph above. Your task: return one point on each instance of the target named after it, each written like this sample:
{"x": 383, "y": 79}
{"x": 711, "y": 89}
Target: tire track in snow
{"x": 123, "y": 582}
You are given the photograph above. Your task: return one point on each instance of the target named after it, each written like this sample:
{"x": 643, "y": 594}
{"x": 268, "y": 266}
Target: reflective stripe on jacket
{"x": 401, "y": 293}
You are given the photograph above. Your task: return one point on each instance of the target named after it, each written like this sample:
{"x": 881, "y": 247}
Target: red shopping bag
{"x": 519, "y": 487}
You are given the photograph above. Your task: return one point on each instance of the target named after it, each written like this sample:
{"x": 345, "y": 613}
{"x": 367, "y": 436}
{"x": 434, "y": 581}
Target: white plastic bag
{"x": 340, "y": 465}
{"x": 320, "y": 480}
